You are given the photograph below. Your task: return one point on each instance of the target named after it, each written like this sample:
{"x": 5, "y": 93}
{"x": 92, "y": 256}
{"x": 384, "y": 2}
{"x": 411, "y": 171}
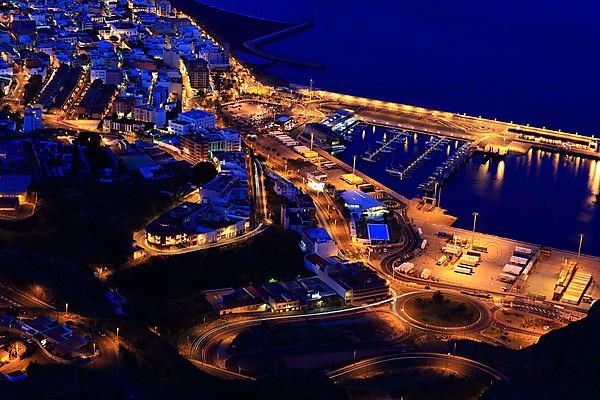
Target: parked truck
{"x": 523, "y": 250}
{"x": 471, "y": 261}
{"x": 512, "y": 269}
{"x": 515, "y": 260}
{"x": 404, "y": 268}
{"x": 463, "y": 270}
{"x": 507, "y": 278}
{"x": 452, "y": 249}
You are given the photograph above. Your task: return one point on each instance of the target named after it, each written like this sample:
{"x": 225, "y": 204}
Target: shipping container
{"x": 463, "y": 270}
{"x": 512, "y": 269}
{"x": 451, "y": 249}
{"x": 523, "y": 250}
{"x": 507, "y": 278}
{"x": 518, "y": 260}
{"x": 474, "y": 254}
{"x": 471, "y": 261}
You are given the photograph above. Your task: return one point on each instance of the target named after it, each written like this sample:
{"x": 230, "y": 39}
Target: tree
{"x": 203, "y": 172}
{"x": 33, "y": 87}
{"x": 438, "y": 297}
{"x": 91, "y": 140}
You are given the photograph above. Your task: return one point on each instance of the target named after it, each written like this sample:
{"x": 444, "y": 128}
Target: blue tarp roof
{"x": 378, "y": 232}
{"x": 360, "y": 198}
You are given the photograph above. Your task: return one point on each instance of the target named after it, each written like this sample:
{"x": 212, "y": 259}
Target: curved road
{"x": 205, "y": 347}
{"x": 461, "y": 365}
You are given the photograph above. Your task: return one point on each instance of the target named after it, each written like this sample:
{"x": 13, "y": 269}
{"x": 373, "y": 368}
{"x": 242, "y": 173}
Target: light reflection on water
{"x": 539, "y": 197}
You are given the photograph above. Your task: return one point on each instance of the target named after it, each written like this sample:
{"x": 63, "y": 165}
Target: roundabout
{"x": 446, "y": 312}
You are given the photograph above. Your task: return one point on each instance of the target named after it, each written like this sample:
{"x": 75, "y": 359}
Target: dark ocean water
{"x": 525, "y": 61}
{"x": 529, "y": 61}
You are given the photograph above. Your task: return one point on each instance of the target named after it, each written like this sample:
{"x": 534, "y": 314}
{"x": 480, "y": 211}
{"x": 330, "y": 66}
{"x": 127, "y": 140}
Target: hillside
{"x": 564, "y": 364}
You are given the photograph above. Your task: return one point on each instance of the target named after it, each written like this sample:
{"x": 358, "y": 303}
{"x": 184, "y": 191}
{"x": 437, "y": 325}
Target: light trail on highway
{"x": 442, "y": 361}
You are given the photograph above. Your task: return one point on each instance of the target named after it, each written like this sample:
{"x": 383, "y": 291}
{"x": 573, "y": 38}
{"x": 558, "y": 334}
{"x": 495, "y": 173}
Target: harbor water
{"x": 539, "y": 197}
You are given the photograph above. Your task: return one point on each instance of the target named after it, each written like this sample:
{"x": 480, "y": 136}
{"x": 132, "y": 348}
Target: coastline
{"x": 239, "y": 30}
{"x": 255, "y": 17}
{"x": 229, "y": 27}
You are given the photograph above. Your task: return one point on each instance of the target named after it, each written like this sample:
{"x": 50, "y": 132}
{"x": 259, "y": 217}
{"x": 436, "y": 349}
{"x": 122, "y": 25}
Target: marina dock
{"x": 385, "y": 147}
{"x": 449, "y": 167}
{"x": 436, "y": 141}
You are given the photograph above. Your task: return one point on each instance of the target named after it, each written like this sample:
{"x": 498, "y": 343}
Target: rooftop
{"x": 316, "y": 288}
{"x": 279, "y": 293}
{"x": 355, "y": 276}
{"x": 14, "y": 184}
{"x": 378, "y": 232}
{"x": 173, "y": 221}
{"x": 223, "y": 299}
{"x": 197, "y": 114}
{"x": 41, "y": 324}
{"x": 360, "y": 199}
{"x": 219, "y": 183}
{"x": 318, "y": 235}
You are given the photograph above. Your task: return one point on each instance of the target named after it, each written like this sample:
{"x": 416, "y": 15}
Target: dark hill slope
{"x": 564, "y": 364}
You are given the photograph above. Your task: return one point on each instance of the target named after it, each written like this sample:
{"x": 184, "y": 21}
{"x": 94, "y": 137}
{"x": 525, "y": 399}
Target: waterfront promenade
{"x": 454, "y": 125}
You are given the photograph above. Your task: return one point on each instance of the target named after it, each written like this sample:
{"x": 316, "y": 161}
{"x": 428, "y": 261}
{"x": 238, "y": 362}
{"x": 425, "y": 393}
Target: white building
{"x": 179, "y": 127}
{"x": 285, "y": 188}
{"x": 163, "y": 8}
{"x": 317, "y": 240}
{"x": 110, "y": 76}
{"x": 32, "y": 119}
{"x": 147, "y": 113}
{"x": 199, "y": 119}
{"x": 123, "y": 30}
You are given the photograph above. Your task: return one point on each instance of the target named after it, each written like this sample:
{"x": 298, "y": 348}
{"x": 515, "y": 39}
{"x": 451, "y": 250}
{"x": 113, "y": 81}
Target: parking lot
{"x": 485, "y": 275}
{"x": 541, "y": 279}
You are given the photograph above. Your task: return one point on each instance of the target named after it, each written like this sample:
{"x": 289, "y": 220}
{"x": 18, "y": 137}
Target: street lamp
{"x": 580, "y": 243}
{"x": 66, "y": 308}
{"x": 117, "y": 333}
{"x": 475, "y": 214}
